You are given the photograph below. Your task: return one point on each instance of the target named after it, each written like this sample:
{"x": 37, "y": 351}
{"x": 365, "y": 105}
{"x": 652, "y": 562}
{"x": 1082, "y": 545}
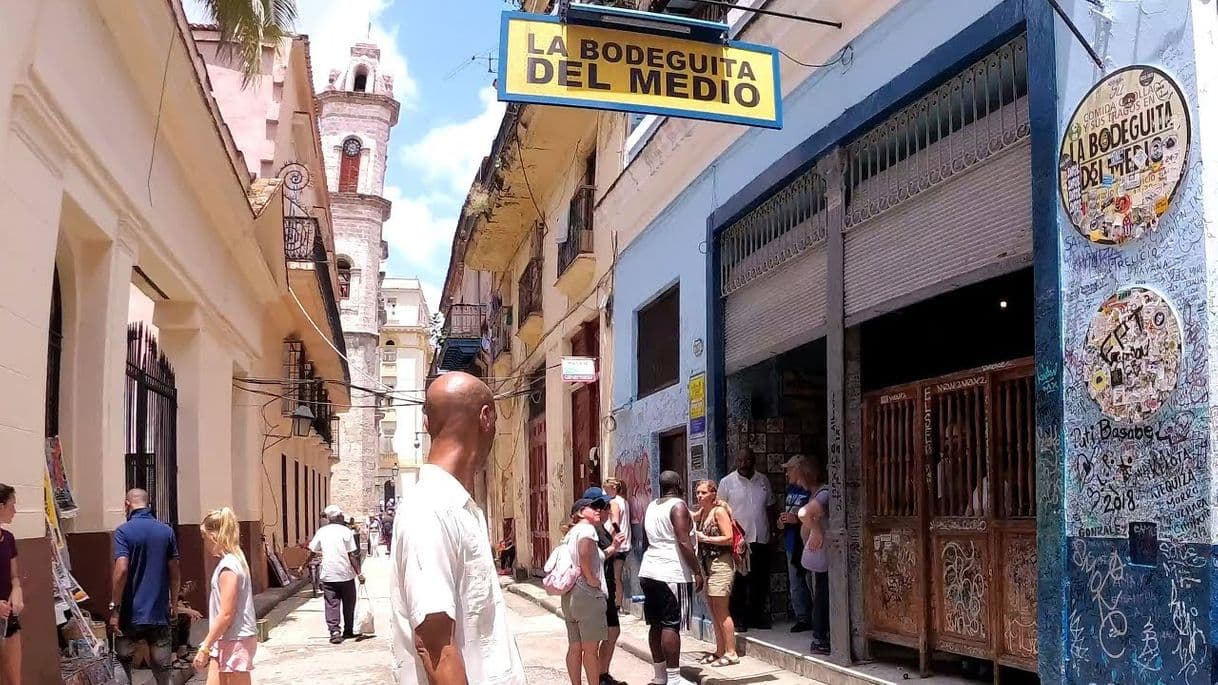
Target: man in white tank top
{"x": 669, "y": 575}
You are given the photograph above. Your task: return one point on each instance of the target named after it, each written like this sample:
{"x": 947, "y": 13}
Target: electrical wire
{"x": 350, "y": 364}
{"x": 845, "y": 57}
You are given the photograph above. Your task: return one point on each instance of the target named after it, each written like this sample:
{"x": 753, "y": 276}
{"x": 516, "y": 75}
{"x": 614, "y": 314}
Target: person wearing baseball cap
{"x": 339, "y": 569}
{"x": 609, "y": 544}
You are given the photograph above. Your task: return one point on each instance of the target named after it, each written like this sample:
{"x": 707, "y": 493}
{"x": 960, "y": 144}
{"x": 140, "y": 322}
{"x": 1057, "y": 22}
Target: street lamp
{"x": 302, "y": 420}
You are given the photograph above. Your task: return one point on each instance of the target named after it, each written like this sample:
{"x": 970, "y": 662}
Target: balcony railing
{"x": 501, "y": 331}
{"x": 299, "y": 233}
{"x": 579, "y": 231}
{"x": 529, "y": 301}
{"x": 464, "y": 321}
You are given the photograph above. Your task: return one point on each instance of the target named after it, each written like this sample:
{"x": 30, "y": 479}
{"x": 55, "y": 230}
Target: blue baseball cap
{"x": 596, "y": 494}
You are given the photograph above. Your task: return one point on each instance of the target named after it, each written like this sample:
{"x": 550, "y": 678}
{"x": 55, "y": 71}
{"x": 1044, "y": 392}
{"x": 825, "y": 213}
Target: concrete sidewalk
{"x": 634, "y": 642}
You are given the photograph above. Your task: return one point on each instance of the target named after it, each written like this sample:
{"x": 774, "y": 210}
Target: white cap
{"x": 332, "y": 511}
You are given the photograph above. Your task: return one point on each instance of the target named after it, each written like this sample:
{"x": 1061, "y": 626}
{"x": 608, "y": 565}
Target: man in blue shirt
{"x": 788, "y": 522}
{"x": 145, "y": 581}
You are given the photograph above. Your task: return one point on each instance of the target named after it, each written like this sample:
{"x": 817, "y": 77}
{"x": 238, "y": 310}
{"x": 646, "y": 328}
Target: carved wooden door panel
{"x": 539, "y": 510}
{"x": 893, "y": 533}
{"x": 950, "y": 517}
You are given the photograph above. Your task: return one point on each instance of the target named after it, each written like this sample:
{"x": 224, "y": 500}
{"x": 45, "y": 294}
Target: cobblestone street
{"x": 299, "y": 651}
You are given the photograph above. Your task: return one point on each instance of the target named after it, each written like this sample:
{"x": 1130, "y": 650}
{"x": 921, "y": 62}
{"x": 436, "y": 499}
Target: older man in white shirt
{"x": 450, "y": 623}
{"x": 751, "y": 498}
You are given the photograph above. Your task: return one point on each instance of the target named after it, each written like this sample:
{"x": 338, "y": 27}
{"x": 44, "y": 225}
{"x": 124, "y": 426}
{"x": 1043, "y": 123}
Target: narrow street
{"x": 299, "y": 651}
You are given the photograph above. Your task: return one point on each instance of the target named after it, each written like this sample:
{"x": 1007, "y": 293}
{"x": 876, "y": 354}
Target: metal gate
{"x": 152, "y": 423}
{"x": 950, "y": 515}
{"x": 539, "y": 509}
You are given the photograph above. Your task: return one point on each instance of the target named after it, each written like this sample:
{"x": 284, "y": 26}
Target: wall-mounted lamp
{"x": 302, "y": 421}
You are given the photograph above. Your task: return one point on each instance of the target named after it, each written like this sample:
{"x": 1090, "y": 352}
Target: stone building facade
{"x": 355, "y": 115}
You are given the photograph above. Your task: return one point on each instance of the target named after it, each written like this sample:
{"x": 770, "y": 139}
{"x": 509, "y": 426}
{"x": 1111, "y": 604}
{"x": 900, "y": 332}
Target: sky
{"x": 449, "y": 113}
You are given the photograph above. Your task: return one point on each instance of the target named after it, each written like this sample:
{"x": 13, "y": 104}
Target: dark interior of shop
{"x": 985, "y": 323}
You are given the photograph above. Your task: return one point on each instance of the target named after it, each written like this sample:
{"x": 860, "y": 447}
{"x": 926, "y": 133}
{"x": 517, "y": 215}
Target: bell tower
{"x": 355, "y": 114}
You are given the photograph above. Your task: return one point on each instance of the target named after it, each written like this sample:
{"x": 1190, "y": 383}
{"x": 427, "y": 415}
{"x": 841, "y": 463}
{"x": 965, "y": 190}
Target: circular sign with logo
{"x": 1123, "y": 155}
{"x": 1133, "y": 354}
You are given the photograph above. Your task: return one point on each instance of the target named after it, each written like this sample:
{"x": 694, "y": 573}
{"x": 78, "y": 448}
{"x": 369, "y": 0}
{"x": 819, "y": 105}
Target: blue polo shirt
{"x": 148, "y": 545}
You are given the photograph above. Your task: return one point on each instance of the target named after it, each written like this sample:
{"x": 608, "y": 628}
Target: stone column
{"x": 204, "y": 367}
{"x": 1137, "y": 389}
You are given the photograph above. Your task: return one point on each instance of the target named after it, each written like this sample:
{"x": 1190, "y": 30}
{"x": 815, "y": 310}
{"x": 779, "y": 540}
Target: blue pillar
{"x": 1126, "y": 504}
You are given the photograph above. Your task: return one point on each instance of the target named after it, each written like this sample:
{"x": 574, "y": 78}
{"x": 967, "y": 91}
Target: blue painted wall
{"x": 672, "y": 248}
{"x": 1128, "y": 623}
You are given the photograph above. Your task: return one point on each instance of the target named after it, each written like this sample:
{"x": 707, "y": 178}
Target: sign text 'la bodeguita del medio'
{"x": 544, "y": 61}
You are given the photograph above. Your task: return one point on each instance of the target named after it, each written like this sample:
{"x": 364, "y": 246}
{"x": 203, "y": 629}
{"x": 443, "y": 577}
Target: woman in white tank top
{"x": 619, "y": 522}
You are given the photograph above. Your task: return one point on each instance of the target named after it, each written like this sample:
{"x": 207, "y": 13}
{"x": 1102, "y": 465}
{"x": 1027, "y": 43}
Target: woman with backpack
{"x": 713, "y": 523}
{"x": 584, "y": 601}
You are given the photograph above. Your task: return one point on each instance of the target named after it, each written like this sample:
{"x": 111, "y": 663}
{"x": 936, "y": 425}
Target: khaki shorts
{"x": 720, "y": 573}
{"x": 584, "y": 611}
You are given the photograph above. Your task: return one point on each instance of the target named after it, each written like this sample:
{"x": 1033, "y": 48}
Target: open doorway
{"x": 674, "y": 455}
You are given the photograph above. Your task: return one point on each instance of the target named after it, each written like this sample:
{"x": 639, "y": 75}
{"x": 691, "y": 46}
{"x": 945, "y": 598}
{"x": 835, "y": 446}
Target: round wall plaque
{"x": 1133, "y": 354}
{"x": 1123, "y": 155}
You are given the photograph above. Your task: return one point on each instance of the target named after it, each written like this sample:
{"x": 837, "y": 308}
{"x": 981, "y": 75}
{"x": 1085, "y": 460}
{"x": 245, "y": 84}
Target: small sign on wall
{"x": 697, "y": 462}
{"x": 579, "y": 369}
{"x": 697, "y": 405}
{"x": 1143, "y": 543}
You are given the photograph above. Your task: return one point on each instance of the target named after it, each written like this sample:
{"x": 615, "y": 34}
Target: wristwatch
{"x": 113, "y": 606}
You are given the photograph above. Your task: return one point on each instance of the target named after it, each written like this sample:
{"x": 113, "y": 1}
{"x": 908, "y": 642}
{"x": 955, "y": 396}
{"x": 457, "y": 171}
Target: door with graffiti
{"x": 539, "y": 510}
{"x": 950, "y": 515}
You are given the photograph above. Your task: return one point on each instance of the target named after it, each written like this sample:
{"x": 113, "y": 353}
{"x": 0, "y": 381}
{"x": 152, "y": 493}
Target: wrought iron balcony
{"x": 529, "y": 298}
{"x": 299, "y": 235}
{"x": 465, "y": 321}
{"x": 501, "y": 331}
{"x": 579, "y": 229}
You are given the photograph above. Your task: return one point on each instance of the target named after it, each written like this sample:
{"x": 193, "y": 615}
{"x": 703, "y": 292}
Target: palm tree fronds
{"x": 246, "y": 26}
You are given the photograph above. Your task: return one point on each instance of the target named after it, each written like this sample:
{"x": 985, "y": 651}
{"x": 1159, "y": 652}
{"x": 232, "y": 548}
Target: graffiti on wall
{"x": 635, "y": 475}
{"x": 1131, "y": 623}
{"x": 1123, "y": 155}
{"x": 1133, "y": 354}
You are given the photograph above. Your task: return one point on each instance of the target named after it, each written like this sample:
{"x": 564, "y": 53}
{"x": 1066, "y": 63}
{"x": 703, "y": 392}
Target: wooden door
{"x": 674, "y": 456}
{"x": 950, "y": 515}
{"x": 585, "y": 414}
{"x": 539, "y": 510}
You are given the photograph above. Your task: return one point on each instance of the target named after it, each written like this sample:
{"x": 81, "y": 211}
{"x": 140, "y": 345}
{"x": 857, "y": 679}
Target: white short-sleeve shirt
{"x": 442, "y": 564}
{"x": 334, "y": 542}
{"x": 749, "y": 499}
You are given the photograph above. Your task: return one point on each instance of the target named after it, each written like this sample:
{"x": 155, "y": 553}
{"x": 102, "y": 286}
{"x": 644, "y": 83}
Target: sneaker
{"x": 607, "y": 679}
{"x": 336, "y": 638}
{"x": 801, "y": 627}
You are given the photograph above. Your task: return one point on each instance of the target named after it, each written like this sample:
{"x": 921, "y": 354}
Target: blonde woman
{"x": 618, "y": 522}
{"x": 227, "y": 653}
{"x": 713, "y": 522}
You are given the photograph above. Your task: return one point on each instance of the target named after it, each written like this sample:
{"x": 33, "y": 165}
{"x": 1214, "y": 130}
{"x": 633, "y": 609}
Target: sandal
{"x": 727, "y": 660}
{"x": 707, "y": 659}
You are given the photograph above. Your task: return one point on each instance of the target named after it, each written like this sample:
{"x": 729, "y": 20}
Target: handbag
{"x": 365, "y": 622}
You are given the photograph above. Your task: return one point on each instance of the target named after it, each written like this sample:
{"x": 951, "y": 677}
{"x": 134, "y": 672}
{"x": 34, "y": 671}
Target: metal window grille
{"x": 530, "y": 289}
{"x": 780, "y": 229}
{"x": 293, "y": 373}
{"x": 54, "y": 355}
{"x": 974, "y": 115}
{"x": 151, "y": 423}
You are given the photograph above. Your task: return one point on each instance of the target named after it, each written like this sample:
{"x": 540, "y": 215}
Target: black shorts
{"x": 621, "y": 556}
{"x": 611, "y": 617}
{"x": 667, "y": 604}
{"x": 12, "y": 628}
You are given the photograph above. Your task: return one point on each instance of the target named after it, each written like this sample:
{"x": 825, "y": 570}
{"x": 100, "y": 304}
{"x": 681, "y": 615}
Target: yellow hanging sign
{"x": 544, "y": 61}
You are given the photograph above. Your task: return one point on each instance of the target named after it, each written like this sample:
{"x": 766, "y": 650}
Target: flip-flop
{"x": 726, "y": 660}
{"x": 708, "y": 659}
